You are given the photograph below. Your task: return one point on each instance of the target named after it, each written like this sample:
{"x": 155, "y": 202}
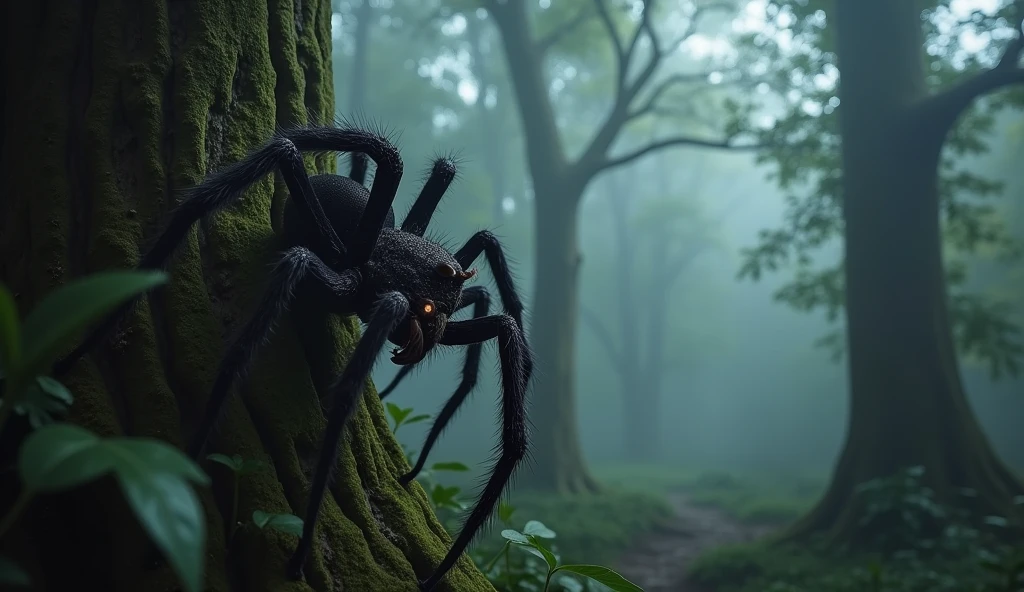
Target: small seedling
{"x": 530, "y": 540}
{"x": 239, "y": 467}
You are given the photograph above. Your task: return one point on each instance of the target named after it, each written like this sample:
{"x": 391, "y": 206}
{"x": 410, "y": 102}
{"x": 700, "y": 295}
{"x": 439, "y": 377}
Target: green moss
{"x": 174, "y": 91}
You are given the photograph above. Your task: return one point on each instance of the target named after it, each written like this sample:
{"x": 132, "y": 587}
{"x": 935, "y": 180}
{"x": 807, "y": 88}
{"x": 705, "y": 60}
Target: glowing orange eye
{"x": 428, "y": 308}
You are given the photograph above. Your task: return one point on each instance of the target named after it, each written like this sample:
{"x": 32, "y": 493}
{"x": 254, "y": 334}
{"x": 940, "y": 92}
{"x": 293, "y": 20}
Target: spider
{"x": 344, "y": 254}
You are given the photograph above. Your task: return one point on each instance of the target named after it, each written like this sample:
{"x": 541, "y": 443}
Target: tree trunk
{"x": 907, "y": 404}
{"x": 558, "y": 463}
{"x": 112, "y": 108}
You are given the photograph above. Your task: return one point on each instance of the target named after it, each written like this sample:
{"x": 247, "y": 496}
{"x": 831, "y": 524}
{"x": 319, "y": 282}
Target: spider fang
{"x": 412, "y": 351}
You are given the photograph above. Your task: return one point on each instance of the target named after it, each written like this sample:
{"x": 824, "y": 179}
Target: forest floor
{"x": 659, "y": 562}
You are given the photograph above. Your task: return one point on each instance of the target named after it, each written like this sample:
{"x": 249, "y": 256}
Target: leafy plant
{"x": 239, "y": 467}
{"x": 156, "y": 478}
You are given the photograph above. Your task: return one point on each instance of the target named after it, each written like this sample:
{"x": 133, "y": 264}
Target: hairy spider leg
{"x": 385, "y": 181}
{"x": 481, "y": 301}
{"x": 515, "y": 356}
{"x": 360, "y": 163}
{"x": 441, "y": 176}
{"x": 391, "y": 308}
{"x": 296, "y": 265}
{"x": 485, "y": 242}
{"x": 470, "y": 297}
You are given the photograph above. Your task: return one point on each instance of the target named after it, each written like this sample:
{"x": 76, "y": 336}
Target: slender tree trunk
{"x": 907, "y": 403}
{"x": 111, "y": 108}
{"x": 360, "y": 58}
{"x": 558, "y": 463}
{"x": 490, "y": 120}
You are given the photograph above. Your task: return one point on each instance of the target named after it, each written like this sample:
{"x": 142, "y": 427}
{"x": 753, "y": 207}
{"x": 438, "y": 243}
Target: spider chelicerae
{"x": 344, "y": 254}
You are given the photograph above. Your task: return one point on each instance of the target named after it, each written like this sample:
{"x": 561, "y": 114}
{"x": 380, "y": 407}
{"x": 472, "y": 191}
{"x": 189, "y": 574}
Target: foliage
{"x": 909, "y": 543}
{"x": 538, "y": 568}
{"x": 802, "y": 76}
{"x": 156, "y": 478}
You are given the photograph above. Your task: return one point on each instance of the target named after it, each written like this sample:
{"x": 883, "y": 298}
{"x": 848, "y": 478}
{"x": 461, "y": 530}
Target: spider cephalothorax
{"x": 345, "y": 255}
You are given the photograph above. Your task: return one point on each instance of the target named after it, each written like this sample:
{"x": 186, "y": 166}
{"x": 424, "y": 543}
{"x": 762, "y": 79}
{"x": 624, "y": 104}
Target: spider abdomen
{"x": 343, "y": 201}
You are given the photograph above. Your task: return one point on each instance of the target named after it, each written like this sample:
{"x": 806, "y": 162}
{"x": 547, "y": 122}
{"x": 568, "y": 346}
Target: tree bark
{"x": 907, "y": 402}
{"x": 112, "y": 108}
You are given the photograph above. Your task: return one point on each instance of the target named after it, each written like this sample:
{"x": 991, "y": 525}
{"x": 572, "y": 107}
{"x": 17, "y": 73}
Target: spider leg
{"x": 296, "y": 265}
{"x": 441, "y": 176}
{"x": 345, "y": 393}
{"x": 515, "y": 357}
{"x": 471, "y": 296}
{"x": 360, "y": 163}
{"x": 470, "y": 372}
{"x": 218, "y": 191}
{"x": 488, "y": 244}
{"x": 385, "y": 180}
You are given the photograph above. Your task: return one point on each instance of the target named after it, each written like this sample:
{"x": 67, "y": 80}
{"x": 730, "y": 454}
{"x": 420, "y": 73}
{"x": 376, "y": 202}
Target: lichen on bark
{"x": 119, "y": 106}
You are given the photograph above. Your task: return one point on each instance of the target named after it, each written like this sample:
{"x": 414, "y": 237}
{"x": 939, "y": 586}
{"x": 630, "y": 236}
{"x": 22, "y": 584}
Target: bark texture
{"x": 110, "y": 108}
{"x": 907, "y": 402}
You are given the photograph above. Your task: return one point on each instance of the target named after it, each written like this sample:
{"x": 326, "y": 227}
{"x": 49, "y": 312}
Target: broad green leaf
{"x": 168, "y": 508}
{"x": 570, "y": 584}
{"x": 60, "y": 456}
{"x": 417, "y": 418}
{"x": 515, "y": 536}
{"x": 55, "y": 389}
{"x": 445, "y": 496}
{"x": 547, "y": 555}
{"x": 233, "y": 463}
{"x": 286, "y": 523}
{"x": 603, "y": 575}
{"x": 10, "y": 331}
{"x": 397, "y": 413}
{"x": 68, "y": 311}
{"x": 11, "y": 574}
{"x": 537, "y": 529}
{"x": 505, "y": 511}
{"x": 448, "y": 466}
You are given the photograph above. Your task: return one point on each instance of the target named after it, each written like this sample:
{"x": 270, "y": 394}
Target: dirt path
{"x": 659, "y": 563}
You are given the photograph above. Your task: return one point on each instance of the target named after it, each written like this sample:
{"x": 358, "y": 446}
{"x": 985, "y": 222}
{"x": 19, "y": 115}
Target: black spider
{"x": 345, "y": 255}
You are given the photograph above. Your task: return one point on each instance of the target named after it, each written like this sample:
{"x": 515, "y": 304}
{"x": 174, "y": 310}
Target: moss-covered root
{"x": 120, "y": 105}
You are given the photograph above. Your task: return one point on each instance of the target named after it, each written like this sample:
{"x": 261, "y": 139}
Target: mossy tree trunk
{"x": 110, "y": 109}
{"x": 907, "y": 400}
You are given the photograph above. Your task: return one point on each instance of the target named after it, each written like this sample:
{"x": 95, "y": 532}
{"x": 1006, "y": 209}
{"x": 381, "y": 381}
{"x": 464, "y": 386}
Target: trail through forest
{"x": 660, "y": 562}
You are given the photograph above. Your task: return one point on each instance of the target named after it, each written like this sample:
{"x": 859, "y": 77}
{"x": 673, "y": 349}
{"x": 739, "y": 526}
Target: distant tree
{"x": 559, "y": 179}
{"x": 879, "y": 157}
{"x": 655, "y": 242}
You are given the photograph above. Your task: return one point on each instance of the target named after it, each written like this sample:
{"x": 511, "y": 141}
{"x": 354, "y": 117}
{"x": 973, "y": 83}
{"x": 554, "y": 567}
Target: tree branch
{"x": 593, "y": 320}
{"x": 940, "y": 111}
{"x": 613, "y": 35}
{"x": 565, "y": 29}
{"x": 609, "y": 163}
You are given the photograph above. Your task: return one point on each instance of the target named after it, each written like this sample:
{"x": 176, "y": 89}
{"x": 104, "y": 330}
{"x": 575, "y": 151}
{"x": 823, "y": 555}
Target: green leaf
{"x": 570, "y": 584}
{"x": 286, "y": 523}
{"x": 169, "y": 510}
{"x": 397, "y": 413}
{"x": 11, "y": 574}
{"x": 448, "y": 466}
{"x": 515, "y": 536}
{"x": 603, "y": 575}
{"x": 445, "y": 496}
{"x": 42, "y": 400}
{"x": 548, "y": 556}
{"x": 10, "y": 331}
{"x": 537, "y": 529}
{"x": 505, "y": 511}
{"x": 233, "y": 463}
{"x": 417, "y": 418}
{"x": 60, "y": 456}
{"x": 65, "y": 313}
